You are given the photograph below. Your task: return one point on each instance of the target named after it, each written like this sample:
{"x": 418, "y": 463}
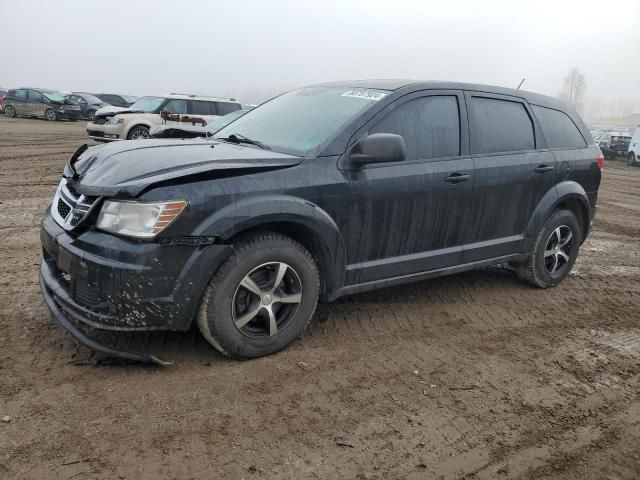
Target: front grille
{"x": 87, "y": 294}
{"x": 69, "y": 207}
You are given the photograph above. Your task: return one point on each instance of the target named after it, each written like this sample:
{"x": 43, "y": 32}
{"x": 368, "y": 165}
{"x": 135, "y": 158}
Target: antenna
{"x": 520, "y": 84}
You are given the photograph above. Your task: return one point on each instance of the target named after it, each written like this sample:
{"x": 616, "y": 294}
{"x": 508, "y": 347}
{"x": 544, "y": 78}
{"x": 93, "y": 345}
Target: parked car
{"x": 124, "y": 101}
{"x": 186, "y": 130}
{"x": 37, "y": 102}
{"x": 319, "y": 193}
{"x": 2, "y": 94}
{"x": 633, "y": 156}
{"x": 176, "y": 109}
{"x": 614, "y": 144}
{"x": 88, "y": 103}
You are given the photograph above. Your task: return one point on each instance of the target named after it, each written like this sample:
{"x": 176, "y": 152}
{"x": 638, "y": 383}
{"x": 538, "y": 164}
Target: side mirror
{"x": 379, "y": 148}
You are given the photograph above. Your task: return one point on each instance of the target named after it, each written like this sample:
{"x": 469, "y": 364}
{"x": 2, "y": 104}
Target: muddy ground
{"x": 470, "y": 376}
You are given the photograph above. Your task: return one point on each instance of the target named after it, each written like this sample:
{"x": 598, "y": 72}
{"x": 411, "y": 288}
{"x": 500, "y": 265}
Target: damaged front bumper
{"x": 113, "y": 283}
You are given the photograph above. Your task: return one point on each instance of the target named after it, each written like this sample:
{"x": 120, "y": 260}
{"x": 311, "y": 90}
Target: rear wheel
{"x": 139, "y": 132}
{"x": 261, "y": 298}
{"x": 9, "y": 111}
{"x": 51, "y": 115}
{"x": 554, "y": 251}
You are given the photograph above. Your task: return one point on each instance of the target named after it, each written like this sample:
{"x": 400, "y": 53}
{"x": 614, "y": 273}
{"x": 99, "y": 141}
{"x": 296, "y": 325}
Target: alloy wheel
{"x": 557, "y": 250}
{"x": 139, "y": 135}
{"x": 266, "y": 300}
{"x": 51, "y": 115}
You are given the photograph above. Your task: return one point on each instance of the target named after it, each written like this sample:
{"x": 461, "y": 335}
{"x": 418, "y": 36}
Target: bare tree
{"x": 573, "y": 88}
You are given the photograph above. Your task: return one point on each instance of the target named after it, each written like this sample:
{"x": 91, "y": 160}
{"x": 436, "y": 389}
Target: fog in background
{"x": 252, "y": 50}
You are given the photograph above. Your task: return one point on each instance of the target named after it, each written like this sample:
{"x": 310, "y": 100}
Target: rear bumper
{"x": 114, "y": 283}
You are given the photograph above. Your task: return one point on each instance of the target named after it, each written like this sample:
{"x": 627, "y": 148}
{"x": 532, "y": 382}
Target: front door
{"x": 513, "y": 171}
{"x": 409, "y": 217}
{"x": 36, "y": 104}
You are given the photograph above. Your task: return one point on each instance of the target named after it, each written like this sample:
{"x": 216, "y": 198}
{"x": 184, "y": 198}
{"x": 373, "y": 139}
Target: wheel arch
{"x": 567, "y": 195}
{"x": 299, "y": 219}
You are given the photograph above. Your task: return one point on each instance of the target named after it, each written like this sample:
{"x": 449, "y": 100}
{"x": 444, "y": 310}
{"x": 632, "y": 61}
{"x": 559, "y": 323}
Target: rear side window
{"x": 430, "y": 127}
{"x": 198, "y": 107}
{"x": 21, "y": 94}
{"x": 558, "y": 128}
{"x": 226, "y": 107}
{"x": 499, "y": 126}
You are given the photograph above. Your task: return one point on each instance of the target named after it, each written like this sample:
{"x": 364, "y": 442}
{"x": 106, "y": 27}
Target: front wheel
{"x": 631, "y": 159}
{"x": 138, "y": 133}
{"x": 261, "y": 298}
{"x": 554, "y": 251}
{"x": 51, "y": 115}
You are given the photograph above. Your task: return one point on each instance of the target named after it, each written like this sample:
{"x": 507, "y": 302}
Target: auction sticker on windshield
{"x": 364, "y": 93}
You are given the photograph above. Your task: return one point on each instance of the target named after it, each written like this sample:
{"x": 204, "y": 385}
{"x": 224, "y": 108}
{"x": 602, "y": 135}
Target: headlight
{"x": 116, "y": 120}
{"x": 137, "y": 219}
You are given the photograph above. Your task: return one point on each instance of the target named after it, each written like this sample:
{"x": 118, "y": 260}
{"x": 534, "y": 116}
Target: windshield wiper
{"x": 238, "y": 138}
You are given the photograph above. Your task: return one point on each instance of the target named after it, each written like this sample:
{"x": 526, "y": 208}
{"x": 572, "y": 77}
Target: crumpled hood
{"x": 129, "y": 167}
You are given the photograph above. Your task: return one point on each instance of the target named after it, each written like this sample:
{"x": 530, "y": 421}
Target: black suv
{"x": 321, "y": 192}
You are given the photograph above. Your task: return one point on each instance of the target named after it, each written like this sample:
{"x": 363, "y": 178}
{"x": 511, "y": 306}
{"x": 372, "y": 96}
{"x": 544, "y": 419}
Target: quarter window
{"x": 558, "y": 129}
{"x": 499, "y": 126}
{"x": 226, "y": 107}
{"x": 430, "y": 127}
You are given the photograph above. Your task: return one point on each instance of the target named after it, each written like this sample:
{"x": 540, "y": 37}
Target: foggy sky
{"x": 253, "y": 49}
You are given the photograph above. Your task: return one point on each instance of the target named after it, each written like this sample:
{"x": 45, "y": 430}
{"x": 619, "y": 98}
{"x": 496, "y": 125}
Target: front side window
{"x": 499, "y": 126}
{"x": 35, "y": 97}
{"x": 558, "y": 129}
{"x": 302, "y": 120}
{"x": 176, "y": 106}
{"x": 430, "y": 127}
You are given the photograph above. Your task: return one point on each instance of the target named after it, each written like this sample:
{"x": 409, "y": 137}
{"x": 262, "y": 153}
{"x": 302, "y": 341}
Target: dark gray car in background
{"x": 37, "y": 102}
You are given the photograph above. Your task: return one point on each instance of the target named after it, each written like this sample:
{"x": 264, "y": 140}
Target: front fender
{"x": 323, "y": 232}
{"x": 563, "y": 191}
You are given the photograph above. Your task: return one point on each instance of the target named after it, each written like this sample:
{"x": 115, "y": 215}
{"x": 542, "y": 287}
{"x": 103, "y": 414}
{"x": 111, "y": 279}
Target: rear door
{"x": 19, "y": 101}
{"x": 409, "y": 217}
{"x": 513, "y": 171}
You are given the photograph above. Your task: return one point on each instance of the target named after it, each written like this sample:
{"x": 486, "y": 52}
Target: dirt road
{"x": 471, "y": 376}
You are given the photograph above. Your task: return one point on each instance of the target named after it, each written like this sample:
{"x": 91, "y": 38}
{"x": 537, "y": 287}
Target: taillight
{"x": 600, "y": 161}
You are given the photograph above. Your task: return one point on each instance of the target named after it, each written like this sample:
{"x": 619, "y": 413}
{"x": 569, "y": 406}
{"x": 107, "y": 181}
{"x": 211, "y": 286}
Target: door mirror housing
{"x": 379, "y": 148}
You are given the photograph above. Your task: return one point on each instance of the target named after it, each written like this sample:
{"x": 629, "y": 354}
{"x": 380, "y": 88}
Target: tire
{"x": 139, "y": 132}
{"x": 542, "y": 271}
{"x": 51, "y": 115}
{"x": 9, "y": 111}
{"x": 91, "y": 116}
{"x": 236, "y": 321}
{"x": 631, "y": 158}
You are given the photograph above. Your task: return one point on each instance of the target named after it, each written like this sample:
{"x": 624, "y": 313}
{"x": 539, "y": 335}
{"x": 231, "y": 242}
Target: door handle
{"x": 543, "y": 168}
{"x": 457, "y": 177}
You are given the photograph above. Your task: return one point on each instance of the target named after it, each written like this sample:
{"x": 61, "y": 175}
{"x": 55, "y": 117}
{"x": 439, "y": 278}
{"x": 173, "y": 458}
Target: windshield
{"x": 130, "y": 99}
{"x": 91, "y": 100}
{"x": 147, "y": 104}
{"x": 53, "y": 96}
{"x": 301, "y": 120}
{"x": 620, "y": 139}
